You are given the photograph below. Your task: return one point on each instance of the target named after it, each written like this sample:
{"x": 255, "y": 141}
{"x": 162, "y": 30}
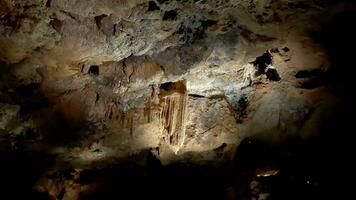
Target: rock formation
{"x": 96, "y": 83}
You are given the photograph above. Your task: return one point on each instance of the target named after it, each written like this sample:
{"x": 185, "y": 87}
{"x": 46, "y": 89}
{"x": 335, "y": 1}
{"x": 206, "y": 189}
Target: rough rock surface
{"x": 186, "y": 80}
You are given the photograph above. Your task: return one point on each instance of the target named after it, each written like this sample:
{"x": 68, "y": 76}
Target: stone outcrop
{"x": 186, "y": 80}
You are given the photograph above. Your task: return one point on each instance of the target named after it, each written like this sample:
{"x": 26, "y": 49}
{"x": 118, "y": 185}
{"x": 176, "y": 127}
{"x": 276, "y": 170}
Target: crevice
{"x": 272, "y": 74}
{"x": 166, "y": 86}
{"x": 162, "y": 1}
{"x": 48, "y": 3}
{"x": 262, "y": 62}
{"x": 98, "y": 20}
{"x": 170, "y": 15}
{"x": 61, "y": 194}
{"x": 97, "y": 151}
{"x": 208, "y": 129}
{"x": 94, "y": 70}
{"x": 56, "y": 25}
{"x": 196, "y": 95}
{"x": 263, "y": 65}
{"x": 162, "y": 68}
{"x": 286, "y": 49}
{"x": 152, "y": 6}
{"x": 72, "y": 16}
{"x": 125, "y": 70}
{"x": 97, "y": 98}
{"x": 207, "y": 23}
{"x": 114, "y": 29}
{"x": 241, "y": 110}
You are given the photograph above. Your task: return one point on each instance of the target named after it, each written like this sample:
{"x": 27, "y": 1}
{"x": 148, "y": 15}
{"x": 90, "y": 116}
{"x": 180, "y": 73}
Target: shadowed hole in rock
{"x": 274, "y": 50}
{"x": 262, "y": 62}
{"x": 220, "y": 150}
{"x": 263, "y": 65}
{"x": 31, "y": 134}
{"x": 207, "y": 23}
{"x": 6, "y": 20}
{"x": 56, "y": 24}
{"x": 152, "y": 6}
{"x": 171, "y": 87}
{"x": 94, "y": 70}
{"x": 98, "y": 20}
{"x": 20, "y": 170}
{"x": 272, "y": 74}
{"x": 196, "y": 95}
{"x": 286, "y": 49}
{"x": 28, "y": 90}
{"x": 48, "y": 3}
{"x": 10, "y": 21}
{"x": 30, "y": 97}
{"x": 61, "y": 194}
{"x": 67, "y": 174}
{"x": 170, "y": 15}
{"x": 97, "y": 151}
{"x": 162, "y": 1}
{"x": 166, "y": 86}
{"x": 241, "y": 109}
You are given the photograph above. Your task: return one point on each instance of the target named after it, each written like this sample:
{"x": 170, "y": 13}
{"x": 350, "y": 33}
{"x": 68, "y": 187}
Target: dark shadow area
{"x": 19, "y": 171}
{"x": 338, "y": 40}
{"x": 29, "y": 97}
{"x": 262, "y": 65}
{"x": 313, "y": 78}
{"x": 262, "y": 62}
{"x": 36, "y": 109}
{"x": 173, "y": 182}
{"x": 300, "y": 175}
{"x": 94, "y": 70}
{"x": 152, "y": 6}
{"x": 170, "y": 15}
{"x": 300, "y": 167}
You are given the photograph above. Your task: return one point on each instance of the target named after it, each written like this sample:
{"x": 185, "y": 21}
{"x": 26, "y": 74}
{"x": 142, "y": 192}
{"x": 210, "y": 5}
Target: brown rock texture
{"x": 98, "y": 82}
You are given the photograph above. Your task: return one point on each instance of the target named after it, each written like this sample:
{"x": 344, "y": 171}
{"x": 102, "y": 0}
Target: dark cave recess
{"x": 301, "y": 175}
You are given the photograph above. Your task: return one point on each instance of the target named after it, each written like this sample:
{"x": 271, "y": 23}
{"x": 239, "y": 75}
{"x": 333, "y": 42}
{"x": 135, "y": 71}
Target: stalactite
{"x": 172, "y": 117}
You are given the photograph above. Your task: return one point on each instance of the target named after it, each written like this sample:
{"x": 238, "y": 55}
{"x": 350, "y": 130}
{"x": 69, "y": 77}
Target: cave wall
{"x": 177, "y": 76}
{"x": 95, "y": 82}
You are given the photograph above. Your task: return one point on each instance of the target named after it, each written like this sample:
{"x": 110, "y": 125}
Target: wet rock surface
{"x": 234, "y": 99}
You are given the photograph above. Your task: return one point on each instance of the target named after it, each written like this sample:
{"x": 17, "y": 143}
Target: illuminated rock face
{"x": 98, "y": 81}
{"x": 173, "y": 113}
{"x": 177, "y": 76}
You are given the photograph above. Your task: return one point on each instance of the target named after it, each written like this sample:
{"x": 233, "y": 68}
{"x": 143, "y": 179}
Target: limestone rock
{"x": 8, "y": 114}
{"x": 181, "y": 81}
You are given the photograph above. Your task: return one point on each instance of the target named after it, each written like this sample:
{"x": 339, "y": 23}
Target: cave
{"x": 94, "y": 70}
{"x": 177, "y": 99}
{"x": 152, "y": 6}
{"x": 170, "y": 15}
